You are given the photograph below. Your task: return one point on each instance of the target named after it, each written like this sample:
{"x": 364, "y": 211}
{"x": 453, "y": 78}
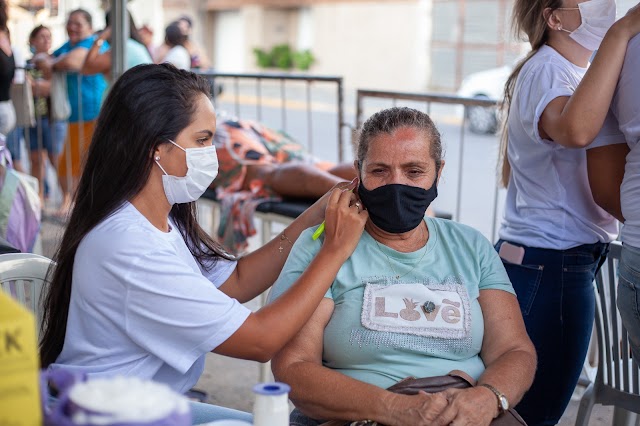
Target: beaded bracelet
{"x": 283, "y": 237}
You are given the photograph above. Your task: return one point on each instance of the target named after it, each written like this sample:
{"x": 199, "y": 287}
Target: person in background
{"x": 613, "y": 164}
{"x": 553, "y": 236}
{"x": 146, "y": 36}
{"x": 7, "y": 71}
{"x": 85, "y": 98}
{"x": 47, "y": 138}
{"x": 97, "y": 62}
{"x": 139, "y": 288}
{"x": 198, "y": 57}
{"x": 178, "y": 55}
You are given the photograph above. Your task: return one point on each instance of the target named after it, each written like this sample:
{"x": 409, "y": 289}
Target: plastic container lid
{"x": 272, "y": 388}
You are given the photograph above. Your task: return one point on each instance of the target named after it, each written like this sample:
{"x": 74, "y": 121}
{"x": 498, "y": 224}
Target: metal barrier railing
{"x": 270, "y": 92}
{"x": 255, "y": 94}
{"x": 270, "y": 86}
{"x": 428, "y": 102}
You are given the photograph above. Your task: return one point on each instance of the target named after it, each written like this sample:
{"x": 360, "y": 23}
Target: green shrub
{"x": 283, "y": 57}
{"x": 263, "y": 59}
{"x": 303, "y": 59}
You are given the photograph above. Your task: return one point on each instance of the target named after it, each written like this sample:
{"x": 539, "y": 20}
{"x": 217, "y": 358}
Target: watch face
{"x": 504, "y": 403}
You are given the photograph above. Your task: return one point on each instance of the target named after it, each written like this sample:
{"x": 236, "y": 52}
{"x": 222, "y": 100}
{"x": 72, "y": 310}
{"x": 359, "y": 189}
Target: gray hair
{"x": 388, "y": 120}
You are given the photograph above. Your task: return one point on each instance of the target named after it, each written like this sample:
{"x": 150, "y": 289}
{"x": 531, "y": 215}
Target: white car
{"x": 487, "y": 84}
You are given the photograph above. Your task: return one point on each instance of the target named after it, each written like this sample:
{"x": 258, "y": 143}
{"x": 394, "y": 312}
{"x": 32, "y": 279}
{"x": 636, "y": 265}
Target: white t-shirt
{"x": 549, "y": 202}
{"x": 141, "y": 306}
{"x": 178, "y": 56}
{"x": 623, "y": 125}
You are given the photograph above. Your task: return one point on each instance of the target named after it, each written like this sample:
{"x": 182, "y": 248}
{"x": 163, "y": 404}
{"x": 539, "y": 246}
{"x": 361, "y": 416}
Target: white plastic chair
{"x": 22, "y": 275}
{"x": 617, "y": 380}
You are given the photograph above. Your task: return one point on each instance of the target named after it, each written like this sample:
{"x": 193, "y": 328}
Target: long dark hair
{"x": 148, "y": 105}
{"x": 530, "y": 21}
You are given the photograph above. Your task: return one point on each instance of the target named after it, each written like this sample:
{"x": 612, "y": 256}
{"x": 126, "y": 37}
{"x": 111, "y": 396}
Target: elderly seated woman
{"x": 418, "y": 297}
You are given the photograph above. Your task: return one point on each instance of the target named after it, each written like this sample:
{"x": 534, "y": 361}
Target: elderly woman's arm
{"x": 510, "y": 361}
{"x": 322, "y": 393}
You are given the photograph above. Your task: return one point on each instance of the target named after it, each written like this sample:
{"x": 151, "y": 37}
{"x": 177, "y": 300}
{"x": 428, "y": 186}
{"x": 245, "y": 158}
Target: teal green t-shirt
{"x": 425, "y": 323}
{"x": 137, "y": 54}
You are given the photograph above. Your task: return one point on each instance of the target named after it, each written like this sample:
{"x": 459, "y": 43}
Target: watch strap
{"x": 499, "y": 395}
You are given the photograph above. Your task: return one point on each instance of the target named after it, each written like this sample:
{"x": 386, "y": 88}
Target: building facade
{"x": 412, "y": 45}
{"x": 405, "y": 45}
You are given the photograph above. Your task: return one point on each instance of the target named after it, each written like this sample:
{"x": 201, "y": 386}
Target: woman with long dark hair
{"x": 553, "y": 236}
{"x": 139, "y": 288}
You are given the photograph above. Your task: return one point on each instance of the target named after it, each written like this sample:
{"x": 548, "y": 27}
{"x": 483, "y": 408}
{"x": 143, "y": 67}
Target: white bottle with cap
{"x": 272, "y": 404}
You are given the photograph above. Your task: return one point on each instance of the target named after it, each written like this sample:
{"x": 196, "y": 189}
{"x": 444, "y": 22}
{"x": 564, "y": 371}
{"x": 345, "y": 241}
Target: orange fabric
{"x": 75, "y": 149}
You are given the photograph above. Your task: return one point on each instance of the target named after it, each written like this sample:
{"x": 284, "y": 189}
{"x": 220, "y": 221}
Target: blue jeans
{"x": 204, "y": 413}
{"x": 13, "y": 143}
{"x": 298, "y": 419}
{"x": 556, "y": 297}
{"x": 629, "y": 296}
{"x": 51, "y": 138}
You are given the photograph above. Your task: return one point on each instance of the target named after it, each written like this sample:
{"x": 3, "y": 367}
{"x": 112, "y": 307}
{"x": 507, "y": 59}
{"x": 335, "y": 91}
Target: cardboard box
{"x": 19, "y": 365}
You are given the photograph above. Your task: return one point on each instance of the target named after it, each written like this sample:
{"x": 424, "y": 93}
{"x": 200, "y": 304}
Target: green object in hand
{"x": 318, "y": 232}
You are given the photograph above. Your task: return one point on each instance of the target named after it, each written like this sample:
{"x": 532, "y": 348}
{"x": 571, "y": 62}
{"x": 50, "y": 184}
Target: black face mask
{"x": 397, "y": 208}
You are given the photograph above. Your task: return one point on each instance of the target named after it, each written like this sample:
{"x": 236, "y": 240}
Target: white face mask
{"x": 202, "y": 169}
{"x": 597, "y": 17}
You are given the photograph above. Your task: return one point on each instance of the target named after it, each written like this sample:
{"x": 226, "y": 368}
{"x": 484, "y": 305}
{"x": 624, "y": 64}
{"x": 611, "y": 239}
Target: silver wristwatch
{"x": 503, "y": 402}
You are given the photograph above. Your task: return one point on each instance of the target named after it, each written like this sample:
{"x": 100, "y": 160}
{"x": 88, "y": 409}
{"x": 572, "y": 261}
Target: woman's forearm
{"x": 96, "y": 62}
{"x": 585, "y": 112}
{"x": 281, "y": 320}
{"x": 322, "y": 393}
{"x": 71, "y": 61}
{"x": 258, "y": 270}
{"x": 512, "y": 374}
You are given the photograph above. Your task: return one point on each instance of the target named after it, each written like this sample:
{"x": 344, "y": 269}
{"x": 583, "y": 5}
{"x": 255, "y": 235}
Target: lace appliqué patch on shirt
{"x": 425, "y": 309}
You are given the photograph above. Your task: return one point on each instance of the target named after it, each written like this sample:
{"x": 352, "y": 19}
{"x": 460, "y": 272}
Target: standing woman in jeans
{"x": 554, "y": 237}
{"x": 85, "y": 97}
{"x": 47, "y": 138}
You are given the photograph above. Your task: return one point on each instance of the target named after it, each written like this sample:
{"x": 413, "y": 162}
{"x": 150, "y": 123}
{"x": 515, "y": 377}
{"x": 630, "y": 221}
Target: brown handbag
{"x": 411, "y": 386}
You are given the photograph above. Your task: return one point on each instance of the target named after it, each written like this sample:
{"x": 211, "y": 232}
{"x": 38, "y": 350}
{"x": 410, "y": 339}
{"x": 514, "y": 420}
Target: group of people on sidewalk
{"x": 59, "y": 137}
{"x": 384, "y": 292}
